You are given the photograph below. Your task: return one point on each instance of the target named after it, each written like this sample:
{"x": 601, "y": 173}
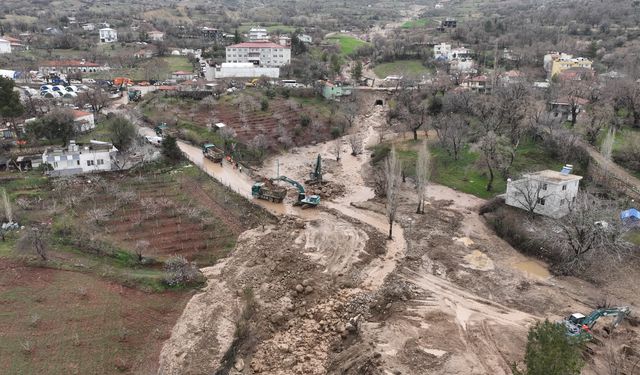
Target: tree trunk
{"x": 415, "y": 134}
{"x": 490, "y": 183}
{"x": 390, "y": 230}
{"x": 420, "y": 209}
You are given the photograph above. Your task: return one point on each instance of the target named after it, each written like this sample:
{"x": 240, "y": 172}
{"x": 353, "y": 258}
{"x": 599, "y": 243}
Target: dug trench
{"x": 324, "y": 292}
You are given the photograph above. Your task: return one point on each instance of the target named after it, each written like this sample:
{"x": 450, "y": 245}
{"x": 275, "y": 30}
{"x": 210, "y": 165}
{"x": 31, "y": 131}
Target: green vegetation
{"x": 421, "y": 22}
{"x": 406, "y": 68}
{"x": 634, "y": 237}
{"x": 175, "y": 63}
{"x": 550, "y": 353}
{"x": 348, "y": 44}
{"x": 468, "y": 174}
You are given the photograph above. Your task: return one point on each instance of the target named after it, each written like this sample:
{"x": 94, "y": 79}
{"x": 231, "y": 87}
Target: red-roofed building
{"x": 182, "y": 75}
{"x": 479, "y": 83}
{"x": 69, "y": 66}
{"x": 260, "y": 53}
{"x": 84, "y": 121}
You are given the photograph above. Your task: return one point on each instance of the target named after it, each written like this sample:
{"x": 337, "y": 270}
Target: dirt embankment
{"x": 334, "y": 297}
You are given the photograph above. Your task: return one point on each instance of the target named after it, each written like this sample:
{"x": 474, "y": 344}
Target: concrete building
{"x": 462, "y": 65}
{"x": 258, "y": 34}
{"x": 83, "y": 121}
{"x": 264, "y": 53}
{"x": 556, "y": 63}
{"x": 441, "y": 51}
{"x": 333, "y": 91}
{"x": 284, "y": 40}
{"x": 549, "y": 193}
{"x": 108, "y": 35}
{"x": 69, "y": 66}
{"x": 88, "y": 27}
{"x": 5, "y": 46}
{"x": 156, "y": 35}
{"x": 244, "y": 70}
{"x": 182, "y": 75}
{"x": 76, "y": 159}
{"x": 304, "y": 38}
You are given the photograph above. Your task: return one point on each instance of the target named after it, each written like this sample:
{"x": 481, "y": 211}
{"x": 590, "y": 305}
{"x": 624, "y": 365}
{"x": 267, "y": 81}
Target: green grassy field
{"x": 169, "y": 65}
{"x": 467, "y": 174}
{"x": 421, "y": 22}
{"x": 406, "y": 68}
{"x": 178, "y": 63}
{"x": 348, "y": 44}
{"x": 634, "y": 237}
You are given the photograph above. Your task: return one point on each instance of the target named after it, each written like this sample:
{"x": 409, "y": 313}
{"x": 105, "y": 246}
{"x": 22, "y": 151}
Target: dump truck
{"x": 268, "y": 191}
{"x": 212, "y": 152}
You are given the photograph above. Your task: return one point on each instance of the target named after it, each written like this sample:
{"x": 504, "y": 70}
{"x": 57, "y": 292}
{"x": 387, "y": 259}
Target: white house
{"x": 263, "y": 53}
{"x": 156, "y": 35}
{"x": 304, "y": 38}
{"x": 69, "y": 66}
{"x": 441, "y": 51}
{"x": 258, "y": 34}
{"x": 108, "y": 35}
{"x": 88, "y": 27}
{"x": 244, "y": 70}
{"x": 549, "y": 193}
{"x": 83, "y": 121}
{"x": 463, "y": 65}
{"x": 5, "y": 46}
{"x": 76, "y": 159}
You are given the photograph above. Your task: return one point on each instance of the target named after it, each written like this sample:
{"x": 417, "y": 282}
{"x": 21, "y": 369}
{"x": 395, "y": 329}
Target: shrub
{"x": 305, "y": 120}
{"x": 336, "y": 132}
{"x": 180, "y": 272}
{"x": 264, "y": 104}
{"x": 270, "y": 93}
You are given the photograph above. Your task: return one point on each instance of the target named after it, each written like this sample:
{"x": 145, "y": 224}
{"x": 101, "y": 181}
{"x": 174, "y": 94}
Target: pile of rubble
{"x": 327, "y": 189}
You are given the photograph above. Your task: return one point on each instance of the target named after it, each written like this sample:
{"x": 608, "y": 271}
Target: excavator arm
{"x": 619, "y": 312}
{"x": 292, "y": 182}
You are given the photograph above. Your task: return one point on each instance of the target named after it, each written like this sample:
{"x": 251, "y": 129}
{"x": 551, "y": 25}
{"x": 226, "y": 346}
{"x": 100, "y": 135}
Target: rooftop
{"x": 69, "y": 63}
{"x": 549, "y": 175}
{"x": 264, "y": 44}
{"x": 78, "y": 113}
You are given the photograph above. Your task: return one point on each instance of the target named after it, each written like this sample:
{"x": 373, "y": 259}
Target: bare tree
{"x": 8, "y": 212}
{"x": 529, "y": 193}
{"x": 607, "y": 150}
{"x": 35, "y": 239}
{"x": 453, "y": 133}
{"x": 96, "y": 99}
{"x": 141, "y": 248}
{"x": 598, "y": 118}
{"x": 337, "y": 149}
{"x": 423, "y": 172}
{"x": 392, "y": 173}
{"x": 355, "y": 141}
{"x": 496, "y": 153}
{"x": 591, "y": 230}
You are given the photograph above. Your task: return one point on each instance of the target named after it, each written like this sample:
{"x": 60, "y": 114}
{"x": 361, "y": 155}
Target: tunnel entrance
{"x": 379, "y": 102}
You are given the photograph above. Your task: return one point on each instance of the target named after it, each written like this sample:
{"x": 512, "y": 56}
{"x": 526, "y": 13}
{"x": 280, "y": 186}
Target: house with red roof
{"x": 83, "y": 121}
{"x": 182, "y": 75}
{"x": 259, "y": 53}
{"x": 69, "y": 66}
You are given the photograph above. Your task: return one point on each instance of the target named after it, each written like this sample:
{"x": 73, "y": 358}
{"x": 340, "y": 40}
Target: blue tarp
{"x": 630, "y": 215}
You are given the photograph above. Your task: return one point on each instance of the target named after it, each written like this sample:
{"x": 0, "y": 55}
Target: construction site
{"x": 324, "y": 291}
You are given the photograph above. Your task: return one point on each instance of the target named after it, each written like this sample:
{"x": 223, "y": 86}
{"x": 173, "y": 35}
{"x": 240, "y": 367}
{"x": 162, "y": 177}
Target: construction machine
{"x": 315, "y": 176}
{"x": 135, "y": 95}
{"x": 160, "y": 129}
{"x": 579, "y": 326}
{"x": 212, "y": 152}
{"x": 269, "y": 191}
{"x": 253, "y": 83}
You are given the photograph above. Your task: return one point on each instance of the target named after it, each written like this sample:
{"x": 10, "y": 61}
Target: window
{"x": 77, "y": 162}
{"x": 90, "y": 163}
{"x": 564, "y": 187}
{"x": 541, "y": 201}
{"x": 563, "y": 201}
{"x": 55, "y": 164}
{"x": 100, "y": 162}
{"x": 544, "y": 186}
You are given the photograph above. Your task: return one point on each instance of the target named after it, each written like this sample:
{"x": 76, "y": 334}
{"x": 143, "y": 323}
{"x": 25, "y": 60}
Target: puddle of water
{"x": 478, "y": 260}
{"x": 533, "y": 269}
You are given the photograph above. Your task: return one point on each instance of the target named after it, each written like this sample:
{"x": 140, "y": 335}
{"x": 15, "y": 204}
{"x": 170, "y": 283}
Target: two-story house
{"x": 108, "y": 35}
{"x": 76, "y": 159}
{"x": 549, "y": 193}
